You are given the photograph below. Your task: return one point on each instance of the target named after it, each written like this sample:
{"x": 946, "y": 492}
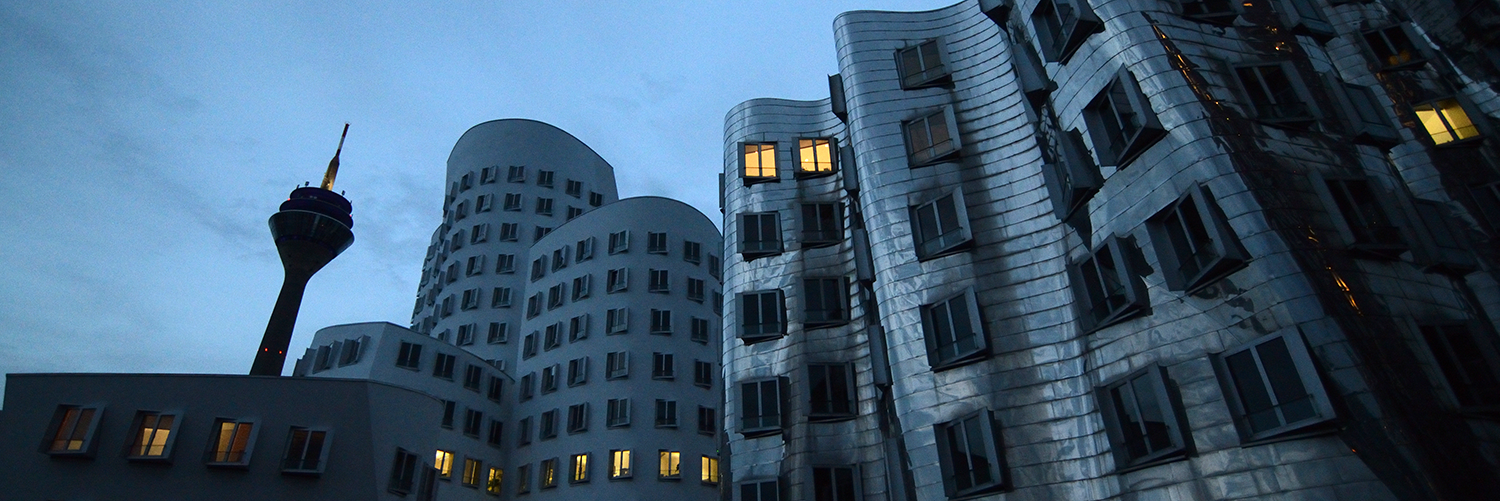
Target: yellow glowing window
{"x": 444, "y": 463}
{"x": 670, "y": 464}
{"x": 493, "y": 485}
{"x": 580, "y": 468}
{"x": 760, "y": 160}
{"x": 619, "y": 464}
{"x": 151, "y": 438}
{"x": 814, "y": 156}
{"x": 710, "y": 470}
{"x": 471, "y": 471}
{"x": 232, "y": 441}
{"x": 1446, "y": 121}
{"x": 72, "y": 433}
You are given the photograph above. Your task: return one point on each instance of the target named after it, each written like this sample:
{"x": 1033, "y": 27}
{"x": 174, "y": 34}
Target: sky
{"x": 145, "y": 144}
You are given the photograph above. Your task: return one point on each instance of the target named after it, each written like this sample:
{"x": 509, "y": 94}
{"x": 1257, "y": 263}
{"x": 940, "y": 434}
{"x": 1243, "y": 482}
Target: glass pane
{"x": 1130, "y": 421}
{"x": 1296, "y": 404}
{"x": 838, "y": 389}
{"x": 817, "y": 380}
{"x": 1259, "y": 412}
{"x": 979, "y": 460}
{"x": 843, "y": 478}
{"x": 1153, "y": 417}
{"x": 959, "y": 458}
{"x": 823, "y": 484}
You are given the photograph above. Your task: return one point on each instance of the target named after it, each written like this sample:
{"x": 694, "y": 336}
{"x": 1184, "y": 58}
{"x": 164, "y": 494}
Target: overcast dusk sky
{"x": 144, "y": 145}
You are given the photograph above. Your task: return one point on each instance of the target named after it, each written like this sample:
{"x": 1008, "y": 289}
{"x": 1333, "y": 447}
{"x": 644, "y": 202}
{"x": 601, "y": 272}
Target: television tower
{"x": 312, "y": 227}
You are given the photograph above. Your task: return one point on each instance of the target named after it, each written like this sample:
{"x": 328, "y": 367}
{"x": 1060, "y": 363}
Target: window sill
{"x": 801, "y": 174}
{"x": 831, "y": 418}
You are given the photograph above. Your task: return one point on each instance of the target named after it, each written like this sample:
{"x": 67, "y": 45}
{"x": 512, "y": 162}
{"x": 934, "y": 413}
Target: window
{"x": 578, "y": 371}
{"x": 548, "y": 428}
{"x": 710, "y": 470}
{"x": 556, "y": 296}
{"x": 544, "y": 206}
{"x": 619, "y": 242}
{"x": 1222, "y": 12}
{"x": 538, "y": 268}
{"x": 825, "y": 302}
{"x": 692, "y": 252}
{"x": 835, "y": 483}
{"x": 512, "y": 202}
{"x": 670, "y": 465}
{"x": 695, "y": 289}
{"x": 596, "y": 199}
{"x": 410, "y": 356}
{"x": 941, "y": 226}
{"x": 970, "y": 455}
{"x": 703, "y": 373}
{"x": 816, "y": 157}
{"x": 449, "y": 409}
{"x": 760, "y": 407}
{"x": 584, "y": 250}
{"x": 1394, "y": 48}
{"x": 708, "y": 421}
{"x": 762, "y": 316}
{"x": 1107, "y": 286}
{"x": 549, "y": 378}
{"x": 560, "y": 258}
{"x": 470, "y": 299}
{"x": 541, "y": 231}
{"x": 758, "y": 163}
{"x": 1365, "y": 118}
{"x": 497, "y": 430}
{"x": 475, "y": 266}
{"x": 523, "y": 428}
{"x": 1271, "y": 387}
{"x": 713, "y": 266}
{"x": 496, "y": 387}
{"x": 700, "y": 330}
{"x": 616, "y": 321}
{"x": 617, "y": 280}
{"x": 1277, "y": 93}
{"x": 578, "y": 328}
{"x": 548, "y": 472}
{"x": 764, "y": 490}
{"x": 459, "y": 213}
{"x": 544, "y": 178}
{"x": 352, "y": 350}
{"x": 953, "y": 331}
{"x": 447, "y": 308}
{"x": 528, "y": 345}
{"x": 760, "y": 235}
{"x": 578, "y": 418}
{"x": 442, "y": 366}
{"x": 663, "y": 366}
{"x": 931, "y": 138}
{"x": 472, "y": 376}
{"x": 1446, "y": 121}
{"x": 466, "y": 181}
{"x": 473, "y": 420}
{"x": 1194, "y": 244}
{"x": 466, "y": 332}
{"x": 472, "y": 469}
{"x": 487, "y": 175}
{"x": 618, "y": 415}
{"x": 403, "y": 472}
{"x": 552, "y": 339}
{"x": 492, "y": 486}
{"x": 921, "y": 65}
{"x": 1062, "y": 26}
{"x": 1306, "y": 18}
{"x": 580, "y": 469}
{"x": 822, "y": 225}
{"x": 233, "y": 441}
{"x": 1121, "y": 122}
{"x": 528, "y": 386}
{"x": 517, "y": 174}
{"x": 505, "y": 264}
{"x": 499, "y": 332}
{"x": 1468, "y": 363}
{"x": 656, "y": 243}
{"x": 534, "y": 305}
{"x": 523, "y": 479}
{"x": 574, "y": 212}
{"x": 1361, "y": 217}
{"x": 500, "y": 298}
{"x": 151, "y": 437}
{"x": 509, "y": 232}
{"x": 619, "y": 464}
{"x": 661, "y": 322}
{"x": 831, "y": 387}
{"x": 666, "y": 413}
{"x": 479, "y": 233}
{"x": 617, "y": 365}
{"x": 660, "y": 283}
{"x": 1140, "y": 415}
{"x": 573, "y": 188}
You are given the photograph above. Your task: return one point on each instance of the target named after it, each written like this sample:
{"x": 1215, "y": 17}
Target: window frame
{"x": 948, "y": 241}
{"x": 578, "y": 468}
{"x": 815, "y": 413}
{"x": 761, "y": 247}
{"x": 760, "y": 176}
{"x": 136, "y": 451}
{"x": 578, "y": 371}
{"x": 830, "y": 482}
{"x": 932, "y": 153}
{"x": 617, "y": 321}
{"x": 663, "y": 366}
{"x": 989, "y": 438}
{"x": 617, "y": 371}
{"x": 669, "y": 465}
{"x": 660, "y": 281}
{"x": 1134, "y": 299}
{"x": 761, "y": 423}
{"x": 212, "y": 453}
{"x": 661, "y": 322}
{"x": 1363, "y": 238}
{"x": 1419, "y": 52}
{"x": 617, "y": 471}
{"x": 1260, "y": 94}
{"x": 931, "y": 331}
{"x": 1113, "y": 144}
{"x": 818, "y": 231}
{"x": 666, "y": 413}
{"x": 656, "y": 242}
{"x": 1059, "y": 38}
{"x": 578, "y": 418}
{"x": 1168, "y": 404}
{"x": 818, "y": 287}
{"x": 617, "y": 413}
{"x": 924, "y": 74}
{"x": 812, "y": 143}
{"x": 1071, "y": 176}
{"x": 1440, "y": 109}
{"x": 1470, "y": 396}
{"x": 764, "y": 331}
{"x": 1307, "y": 375}
{"x": 404, "y": 474}
{"x": 1228, "y": 254}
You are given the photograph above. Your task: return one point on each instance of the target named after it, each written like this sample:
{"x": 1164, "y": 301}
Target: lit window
{"x": 232, "y": 442}
{"x": 932, "y": 138}
{"x": 831, "y": 388}
{"x": 710, "y": 469}
{"x": 580, "y": 467}
{"x": 1107, "y": 286}
{"x": 1273, "y": 388}
{"x": 921, "y": 65}
{"x": 619, "y": 464}
{"x": 492, "y": 486}
{"x": 834, "y": 483}
{"x": 1446, "y": 121}
{"x": 1194, "y": 244}
{"x": 760, "y": 407}
{"x": 306, "y": 451}
{"x": 1062, "y": 26}
{"x": 1140, "y": 415}
{"x": 824, "y": 302}
{"x": 941, "y": 226}
{"x": 548, "y": 472}
{"x": 152, "y": 438}
{"x": 969, "y": 454}
{"x": 1469, "y": 363}
{"x": 1121, "y": 122}
{"x": 758, "y": 162}
{"x": 443, "y": 463}
{"x": 472, "y": 469}
{"x": 815, "y": 156}
{"x": 760, "y": 234}
{"x": 762, "y": 316}
{"x": 670, "y": 465}
{"x": 403, "y": 472}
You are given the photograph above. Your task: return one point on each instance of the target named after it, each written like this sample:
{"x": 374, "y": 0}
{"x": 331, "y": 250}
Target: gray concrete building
{"x": 1121, "y": 249}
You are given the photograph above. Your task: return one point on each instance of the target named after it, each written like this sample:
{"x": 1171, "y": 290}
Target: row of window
{"x": 617, "y": 366}
{"x": 512, "y": 203}
{"x": 341, "y": 353}
{"x": 830, "y": 392}
{"x": 617, "y": 415}
{"x": 829, "y": 483}
{"x": 516, "y": 174}
{"x": 815, "y": 157}
{"x": 550, "y": 471}
{"x": 762, "y": 313}
{"x": 760, "y": 232}
{"x": 619, "y": 243}
{"x": 410, "y": 357}
{"x": 153, "y": 436}
{"x": 407, "y": 476}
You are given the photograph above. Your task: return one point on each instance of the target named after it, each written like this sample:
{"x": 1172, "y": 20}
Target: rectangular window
{"x": 700, "y": 330}
{"x": 472, "y": 469}
{"x": 539, "y": 268}
{"x": 710, "y": 470}
{"x": 499, "y": 332}
{"x": 969, "y": 454}
{"x": 534, "y": 305}
{"x": 548, "y": 474}
{"x": 552, "y": 339}
{"x": 760, "y": 407}
{"x": 708, "y": 421}
{"x": 822, "y": 225}
{"x": 475, "y": 266}
{"x": 544, "y": 206}
{"x": 306, "y": 451}
{"x": 549, "y": 378}
{"x": 703, "y": 373}
{"x": 573, "y": 188}
{"x": 659, "y": 283}
{"x": 509, "y": 232}
{"x": 1062, "y": 26}
{"x": 758, "y": 163}
{"x": 1221, "y": 12}
{"x": 541, "y": 231}
{"x": 1362, "y": 217}
{"x": 1121, "y": 122}
{"x": 466, "y": 332}
{"x": 470, "y": 299}
{"x": 523, "y": 429}
{"x": 619, "y": 242}
{"x": 931, "y": 138}
{"x": 1277, "y": 93}
{"x": 1446, "y": 121}
{"x": 596, "y": 199}
{"x": 713, "y": 266}
{"x": 941, "y": 227}
{"x": 764, "y": 490}
{"x": 1468, "y": 363}
{"x": 497, "y": 431}
{"x": 666, "y": 413}
{"x": 656, "y": 243}
{"x": 578, "y": 418}
{"x": 450, "y": 408}
{"x": 619, "y": 464}
{"x": 671, "y": 467}
{"x": 492, "y": 485}
{"x": 556, "y": 296}
{"x": 560, "y": 257}
{"x": 472, "y": 377}
{"x": 578, "y": 328}
{"x": 505, "y": 264}
{"x": 663, "y": 366}
{"x": 661, "y": 322}
{"x": 442, "y": 366}
{"x": 1394, "y": 47}
{"x": 584, "y": 250}
{"x": 233, "y": 441}
{"x": 954, "y": 331}
{"x": 692, "y": 252}
{"x": 410, "y": 356}
{"x": 1271, "y": 387}
{"x": 529, "y": 345}
{"x": 403, "y": 472}
{"x": 578, "y": 371}
{"x": 816, "y": 157}
{"x": 1194, "y": 244}
{"x": 831, "y": 388}
{"x": 473, "y": 420}
{"x": 512, "y": 203}
{"x": 695, "y": 288}
{"x": 616, "y": 321}
{"x": 617, "y": 280}
{"x": 496, "y": 387}
{"x": 617, "y": 365}
{"x": 825, "y": 302}
{"x": 500, "y": 298}
{"x": 544, "y": 178}
{"x": 1140, "y": 416}
{"x": 523, "y": 479}
{"x": 619, "y": 413}
{"x": 479, "y": 233}
{"x": 528, "y": 386}
{"x": 352, "y": 351}
{"x": 835, "y": 483}
{"x": 151, "y": 437}
{"x": 547, "y": 430}
{"x": 921, "y": 65}
{"x": 1108, "y": 287}
{"x": 760, "y": 234}
{"x": 580, "y": 469}
{"x": 516, "y": 174}
{"x": 762, "y": 316}
{"x": 488, "y": 175}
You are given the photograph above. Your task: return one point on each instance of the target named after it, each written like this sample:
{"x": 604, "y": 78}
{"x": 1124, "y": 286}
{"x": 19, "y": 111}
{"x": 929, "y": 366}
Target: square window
{"x": 1446, "y": 121}
{"x": 578, "y": 371}
{"x": 410, "y": 356}
{"x": 671, "y": 465}
{"x": 619, "y": 242}
{"x": 692, "y": 252}
{"x": 760, "y": 407}
{"x": 544, "y": 178}
{"x": 505, "y": 264}
{"x": 231, "y": 443}
{"x": 500, "y": 297}
{"x": 578, "y": 418}
{"x": 1221, "y": 12}
{"x": 1062, "y": 26}
{"x": 921, "y": 65}
{"x": 835, "y": 483}
{"x": 475, "y": 266}
{"x": 656, "y": 243}
{"x": 403, "y": 472}
{"x": 816, "y": 157}
{"x": 831, "y": 389}
{"x": 954, "y": 331}
{"x": 1362, "y": 216}
{"x": 596, "y": 199}
{"x": 619, "y": 413}
{"x": 825, "y": 302}
{"x": 762, "y": 316}
{"x": 1395, "y": 47}
{"x": 573, "y": 188}
{"x": 616, "y": 321}
{"x": 509, "y": 232}
{"x": 574, "y": 212}
{"x": 1107, "y": 287}
{"x": 619, "y": 464}
{"x": 760, "y": 234}
{"x": 617, "y": 365}
{"x": 479, "y": 233}
{"x": 1469, "y": 364}
{"x": 1141, "y": 415}
{"x": 151, "y": 437}
{"x": 1121, "y": 122}
{"x": 541, "y": 231}
{"x": 941, "y": 227}
{"x": 661, "y": 322}
{"x": 1194, "y": 244}
{"x": 666, "y": 413}
{"x": 512, "y": 202}
{"x": 499, "y": 333}
{"x": 1271, "y": 387}
{"x": 617, "y": 280}
{"x": 931, "y": 138}
{"x": 470, "y": 299}
{"x": 584, "y": 250}
{"x": 306, "y": 451}
{"x": 488, "y": 175}
{"x": 544, "y": 206}
{"x": 758, "y": 163}
{"x": 822, "y": 225}
{"x": 442, "y": 366}
{"x": 663, "y": 366}
{"x": 1277, "y": 93}
{"x": 580, "y": 469}
{"x": 970, "y": 455}
{"x": 516, "y": 174}
{"x": 699, "y": 330}
{"x": 660, "y": 283}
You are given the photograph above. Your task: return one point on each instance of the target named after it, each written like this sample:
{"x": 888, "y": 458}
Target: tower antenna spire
{"x": 333, "y": 165}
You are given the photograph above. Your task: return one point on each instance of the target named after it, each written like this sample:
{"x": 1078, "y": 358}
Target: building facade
{"x": 1123, "y": 249}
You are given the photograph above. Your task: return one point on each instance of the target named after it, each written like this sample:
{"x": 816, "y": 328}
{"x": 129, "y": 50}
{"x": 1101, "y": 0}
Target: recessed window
{"x": 762, "y": 316}
{"x": 512, "y": 202}
{"x": 450, "y": 409}
{"x": 1194, "y": 244}
{"x": 695, "y": 288}
{"x": 619, "y": 242}
{"x": 970, "y": 455}
{"x": 831, "y": 391}
{"x": 578, "y": 418}
{"x": 1277, "y": 94}
{"x": 556, "y": 296}
{"x": 825, "y": 302}
{"x": 1222, "y": 12}
{"x": 472, "y": 377}
{"x": 1271, "y": 387}
{"x": 534, "y": 305}
{"x": 472, "y": 469}
{"x": 660, "y": 283}
{"x": 921, "y": 65}
{"x": 822, "y": 225}
{"x": 470, "y": 299}
{"x": 500, "y": 298}
{"x": 584, "y": 251}
{"x": 703, "y": 373}
{"x": 1107, "y": 286}
{"x": 442, "y": 366}
{"x": 1062, "y": 26}
{"x": 484, "y": 203}
{"x": 931, "y": 138}
{"x": 699, "y": 330}
{"x": 596, "y": 199}
{"x": 708, "y": 421}
{"x": 760, "y": 234}
{"x": 547, "y": 429}
{"x": 578, "y": 371}
{"x": 516, "y": 174}
{"x": 1364, "y": 117}
{"x": 473, "y": 421}
{"x": 505, "y": 264}
{"x": 544, "y": 178}
{"x": 617, "y": 280}
{"x": 953, "y": 331}
{"x": 541, "y": 231}
{"x": 410, "y": 356}
{"x": 232, "y": 442}
{"x": 475, "y": 266}
{"x": 544, "y": 206}
{"x": 1140, "y": 415}
{"x": 560, "y": 257}
{"x": 709, "y": 470}
{"x": 151, "y": 437}
{"x": 497, "y": 432}
{"x": 692, "y": 252}
{"x": 479, "y": 233}
{"x": 549, "y": 378}
{"x": 509, "y": 232}
{"x": 664, "y": 366}
{"x": 528, "y": 386}
{"x": 758, "y": 162}
{"x": 547, "y": 477}
{"x": 764, "y": 490}
{"x": 1121, "y": 122}
{"x": 1394, "y": 47}
{"x": 656, "y": 243}
{"x": 671, "y": 465}
{"x": 661, "y": 322}
{"x": 619, "y": 464}
{"x": 403, "y": 472}
{"x": 617, "y": 365}
{"x": 835, "y": 483}
{"x": 523, "y": 429}
{"x": 941, "y": 227}
{"x": 496, "y": 387}
{"x": 618, "y": 415}
{"x": 574, "y": 212}
{"x": 1361, "y": 217}
{"x": 492, "y": 484}
{"x": 580, "y": 469}
{"x": 578, "y": 328}
{"x": 616, "y": 321}
{"x": 573, "y": 188}
{"x": 539, "y": 268}
{"x": 1446, "y": 121}
{"x": 529, "y": 345}
{"x": 666, "y": 413}
{"x": 760, "y": 407}
{"x": 489, "y": 174}
{"x": 815, "y": 157}
{"x": 713, "y": 266}
{"x": 1468, "y": 362}
{"x": 523, "y": 479}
